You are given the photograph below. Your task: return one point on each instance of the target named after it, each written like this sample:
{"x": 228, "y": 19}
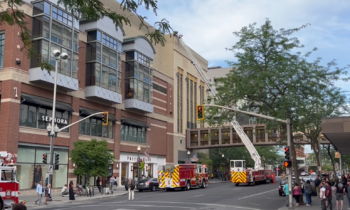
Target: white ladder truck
{"x": 239, "y": 172}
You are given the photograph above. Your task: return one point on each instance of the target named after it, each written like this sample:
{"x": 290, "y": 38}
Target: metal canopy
{"x": 337, "y": 131}
{"x": 30, "y": 99}
{"x": 87, "y": 112}
{"x": 134, "y": 122}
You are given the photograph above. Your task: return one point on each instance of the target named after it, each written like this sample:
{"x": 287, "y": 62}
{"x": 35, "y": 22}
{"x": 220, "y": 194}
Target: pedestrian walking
{"x": 131, "y": 188}
{"x": 47, "y": 193}
{"x": 71, "y": 191}
{"x": 111, "y": 183}
{"x": 323, "y": 196}
{"x": 347, "y": 189}
{"x": 317, "y": 184}
{"x": 329, "y": 195}
{"x": 296, "y": 194}
{"x": 39, "y": 191}
{"x": 308, "y": 192}
{"x": 98, "y": 184}
{"x": 64, "y": 190}
{"x": 339, "y": 193}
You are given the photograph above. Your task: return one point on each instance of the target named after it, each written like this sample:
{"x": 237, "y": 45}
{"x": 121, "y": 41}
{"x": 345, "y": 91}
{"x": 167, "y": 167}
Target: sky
{"x": 207, "y": 25}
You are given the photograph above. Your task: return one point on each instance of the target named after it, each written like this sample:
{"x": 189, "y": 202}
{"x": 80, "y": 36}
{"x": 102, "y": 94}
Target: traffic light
{"x": 287, "y": 164}
{"x": 200, "y": 114}
{"x": 57, "y": 158}
{"x": 286, "y": 152}
{"x": 105, "y": 118}
{"x": 45, "y": 158}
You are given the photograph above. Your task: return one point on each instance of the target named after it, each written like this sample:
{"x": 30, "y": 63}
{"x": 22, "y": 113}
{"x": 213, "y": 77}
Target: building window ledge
{"x": 38, "y": 131}
{"x": 88, "y": 138}
{"x": 138, "y": 105}
{"x": 39, "y": 76}
{"x": 131, "y": 143}
{"x": 102, "y": 93}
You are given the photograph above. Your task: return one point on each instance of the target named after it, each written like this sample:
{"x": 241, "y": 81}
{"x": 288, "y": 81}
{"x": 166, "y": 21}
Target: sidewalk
{"x": 57, "y": 198}
{"x": 316, "y": 204}
{"x": 215, "y": 181}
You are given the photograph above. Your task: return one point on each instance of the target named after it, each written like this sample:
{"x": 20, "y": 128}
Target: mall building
{"x": 150, "y": 92}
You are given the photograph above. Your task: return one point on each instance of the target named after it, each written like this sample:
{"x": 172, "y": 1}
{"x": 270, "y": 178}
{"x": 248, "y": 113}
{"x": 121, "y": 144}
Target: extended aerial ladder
{"x": 246, "y": 141}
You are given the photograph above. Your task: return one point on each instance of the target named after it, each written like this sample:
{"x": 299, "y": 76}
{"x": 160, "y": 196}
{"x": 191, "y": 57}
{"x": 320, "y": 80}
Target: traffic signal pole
{"x": 289, "y": 142}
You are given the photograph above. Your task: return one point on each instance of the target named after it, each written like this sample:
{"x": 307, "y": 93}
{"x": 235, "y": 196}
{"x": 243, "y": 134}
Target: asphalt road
{"x": 215, "y": 196}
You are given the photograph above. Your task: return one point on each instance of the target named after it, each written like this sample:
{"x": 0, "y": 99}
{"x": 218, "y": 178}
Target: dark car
{"x": 148, "y": 184}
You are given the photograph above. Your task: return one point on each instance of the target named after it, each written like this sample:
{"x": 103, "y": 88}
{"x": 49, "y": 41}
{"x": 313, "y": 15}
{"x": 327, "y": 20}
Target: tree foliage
{"x": 269, "y": 153}
{"x": 204, "y": 159}
{"x": 86, "y": 9}
{"x": 92, "y": 158}
{"x": 272, "y": 78}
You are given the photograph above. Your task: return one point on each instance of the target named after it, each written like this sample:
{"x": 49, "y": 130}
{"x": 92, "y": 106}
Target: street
{"x": 215, "y": 196}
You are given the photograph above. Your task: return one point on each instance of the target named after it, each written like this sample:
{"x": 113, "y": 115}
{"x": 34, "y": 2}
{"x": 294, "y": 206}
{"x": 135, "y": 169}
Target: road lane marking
{"x": 185, "y": 203}
{"x": 254, "y": 204}
{"x": 175, "y": 207}
{"x": 196, "y": 196}
{"x": 237, "y": 189}
{"x": 255, "y": 194}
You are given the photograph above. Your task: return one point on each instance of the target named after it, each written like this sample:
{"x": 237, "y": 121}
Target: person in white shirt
{"x": 323, "y": 196}
{"x": 111, "y": 183}
{"x": 64, "y": 190}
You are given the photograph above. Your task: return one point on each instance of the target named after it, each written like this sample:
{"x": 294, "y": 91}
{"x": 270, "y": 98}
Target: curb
{"x": 74, "y": 202}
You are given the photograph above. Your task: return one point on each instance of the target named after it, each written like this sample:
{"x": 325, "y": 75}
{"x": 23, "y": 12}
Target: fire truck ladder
{"x": 246, "y": 141}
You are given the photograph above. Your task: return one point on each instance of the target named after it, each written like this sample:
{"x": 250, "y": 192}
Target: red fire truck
{"x": 9, "y": 187}
{"x": 184, "y": 176}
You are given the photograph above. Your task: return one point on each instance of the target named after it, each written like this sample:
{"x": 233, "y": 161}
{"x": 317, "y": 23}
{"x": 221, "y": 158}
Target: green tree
{"x": 205, "y": 159}
{"x": 87, "y": 9}
{"x": 92, "y": 158}
{"x": 270, "y": 77}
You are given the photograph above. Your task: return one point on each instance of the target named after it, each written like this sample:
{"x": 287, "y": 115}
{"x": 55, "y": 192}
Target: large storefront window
{"x": 31, "y": 170}
{"x": 93, "y": 125}
{"x": 37, "y": 116}
{"x": 56, "y": 30}
{"x": 125, "y": 174}
{"x": 138, "y": 77}
{"x": 133, "y": 133}
{"x": 103, "y": 58}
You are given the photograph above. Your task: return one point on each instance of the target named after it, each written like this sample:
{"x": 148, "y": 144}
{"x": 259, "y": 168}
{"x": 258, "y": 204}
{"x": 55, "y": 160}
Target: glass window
{"x": 26, "y": 155}
{"x": 112, "y": 80}
{"x": 67, "y": 37}
{"x": 75, "y": 65}
{"x": 140, "y": 90}
{"x": 105, "y": 77}
{"x": 97, "y": 74}
{"x": 132, "y": 133}
{"x": 2, "y": 46}
{"x": 41, "y": 7}
{"x": 97, "y": 129}
{"x": 110, "y": 129}
{"x": 76, "y": 41}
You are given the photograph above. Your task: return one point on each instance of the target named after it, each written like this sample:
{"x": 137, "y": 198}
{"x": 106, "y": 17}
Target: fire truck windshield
{"x": 169, "y": 168}
{"x": 7, "y": 175}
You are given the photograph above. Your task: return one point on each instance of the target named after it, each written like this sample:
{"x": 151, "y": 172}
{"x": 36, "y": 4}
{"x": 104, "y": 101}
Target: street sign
{"x": 336, "y": 154}
{"x": 50, "y": 169}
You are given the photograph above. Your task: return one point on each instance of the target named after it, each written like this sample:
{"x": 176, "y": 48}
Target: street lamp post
{"x": 54, "y": 128}
{"x": 188, "y": 155}
{"x": 138, "y": 163}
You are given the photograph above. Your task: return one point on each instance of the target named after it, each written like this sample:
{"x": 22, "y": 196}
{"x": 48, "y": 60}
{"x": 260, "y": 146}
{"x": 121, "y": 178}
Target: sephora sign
{"x": 57, "y": 120}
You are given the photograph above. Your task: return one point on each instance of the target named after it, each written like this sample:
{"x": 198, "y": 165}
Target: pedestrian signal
{"x": 288, "y": 164}
{"x": 200, "y": 113}
{"x": 105, "y": 118}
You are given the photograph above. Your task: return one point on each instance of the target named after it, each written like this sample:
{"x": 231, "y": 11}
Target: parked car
{"x": 148, "y": 184}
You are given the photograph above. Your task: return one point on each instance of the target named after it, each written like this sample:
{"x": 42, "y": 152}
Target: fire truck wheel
{"x": 140, "y": 190}
{"x": 253, "y": 183}
{"x": 1, "y": 204}
{"x": 188, "y": 186}
{"x": 237, "y": 184}
{"x": 154, "y": 188}
{"x": 204, "y": 184}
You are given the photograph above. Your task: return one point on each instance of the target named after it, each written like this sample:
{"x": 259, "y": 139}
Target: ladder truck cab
{"x": 184, "y": 176}
{"x": 9, "y": 187}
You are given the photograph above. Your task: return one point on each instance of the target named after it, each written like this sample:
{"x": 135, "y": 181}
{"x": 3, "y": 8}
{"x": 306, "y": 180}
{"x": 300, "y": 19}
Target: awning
{"x": 337, "y": 131}
{"x": 87, "y": 112}
{"x": 35, "y": 100}
{"x": 134, "y": 122}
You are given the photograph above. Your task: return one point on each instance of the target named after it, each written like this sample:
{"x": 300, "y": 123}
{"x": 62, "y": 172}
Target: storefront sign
{"x": 141, "y": 159}
{"x": 57, "y": 120}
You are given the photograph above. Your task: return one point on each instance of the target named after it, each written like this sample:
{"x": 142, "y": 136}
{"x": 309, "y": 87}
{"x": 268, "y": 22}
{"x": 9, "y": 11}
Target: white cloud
{"x": 207, "y": 25}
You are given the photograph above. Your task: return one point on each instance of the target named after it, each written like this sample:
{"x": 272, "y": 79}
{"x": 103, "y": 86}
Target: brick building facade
{"x": 112, "y": 70}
